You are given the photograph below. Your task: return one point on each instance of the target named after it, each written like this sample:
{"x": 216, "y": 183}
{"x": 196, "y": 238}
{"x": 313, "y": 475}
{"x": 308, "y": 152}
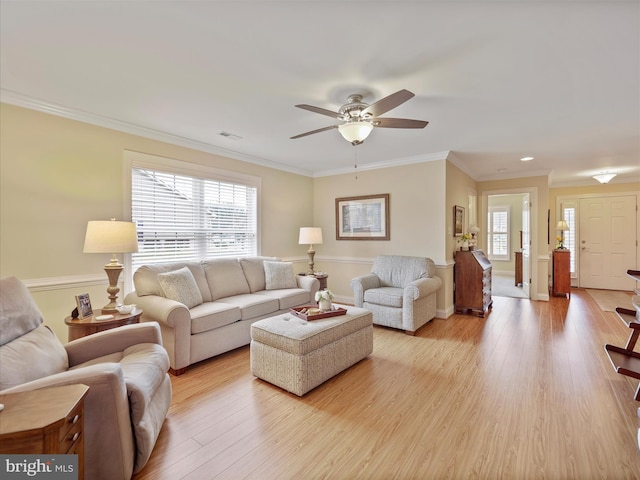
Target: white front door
{"x": 607, "y": 242}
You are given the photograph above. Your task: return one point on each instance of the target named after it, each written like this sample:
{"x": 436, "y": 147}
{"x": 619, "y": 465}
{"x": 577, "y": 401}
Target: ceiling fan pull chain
{"x": 355, "y": 160}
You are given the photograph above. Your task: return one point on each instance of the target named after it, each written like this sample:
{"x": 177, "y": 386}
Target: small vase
{"x": 465, "y": 246}
{"x": 324, "y": 305}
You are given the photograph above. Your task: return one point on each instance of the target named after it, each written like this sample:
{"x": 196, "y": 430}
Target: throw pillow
{"x": 180, "y": 285}
{"x": 279, "y": 275}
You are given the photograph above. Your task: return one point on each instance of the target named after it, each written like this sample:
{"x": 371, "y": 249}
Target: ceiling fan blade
{"x": 315, "y": 131}
{"x": 399, "y": 123}
{"x": 387, "y": 103}
{"x": 321, "y": 111}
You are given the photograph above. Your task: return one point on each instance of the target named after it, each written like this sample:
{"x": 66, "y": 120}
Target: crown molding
{"x": 25, "y": 101}
{"x": 430, "y": 157}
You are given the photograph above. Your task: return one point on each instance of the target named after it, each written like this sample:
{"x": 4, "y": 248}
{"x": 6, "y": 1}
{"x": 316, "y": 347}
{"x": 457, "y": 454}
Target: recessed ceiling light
{"x": 526, "y": 159}
{"x": 502, "y": 170}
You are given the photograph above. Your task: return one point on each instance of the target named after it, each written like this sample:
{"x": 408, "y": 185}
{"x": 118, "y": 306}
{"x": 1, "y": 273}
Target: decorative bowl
{"x": 124, "y": 309}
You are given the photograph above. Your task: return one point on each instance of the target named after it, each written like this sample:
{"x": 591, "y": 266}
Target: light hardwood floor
{"x": 526, "y": 393}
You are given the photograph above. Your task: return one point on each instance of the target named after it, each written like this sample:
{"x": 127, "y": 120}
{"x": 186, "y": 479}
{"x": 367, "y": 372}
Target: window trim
{"x": 490, "y": 210}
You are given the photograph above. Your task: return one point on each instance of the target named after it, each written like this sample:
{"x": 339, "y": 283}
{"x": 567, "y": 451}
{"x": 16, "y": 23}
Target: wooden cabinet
{"x": 48, "y": 420}
{"x": 561, "y": 279}
{"x": 472, "y": 277}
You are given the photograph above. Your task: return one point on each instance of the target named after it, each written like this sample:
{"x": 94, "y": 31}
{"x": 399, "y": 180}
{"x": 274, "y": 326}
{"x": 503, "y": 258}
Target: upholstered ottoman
{"x": 298, "y": 355}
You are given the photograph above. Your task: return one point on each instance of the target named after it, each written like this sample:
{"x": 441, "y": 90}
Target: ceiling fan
{"x": 360, "y": 118}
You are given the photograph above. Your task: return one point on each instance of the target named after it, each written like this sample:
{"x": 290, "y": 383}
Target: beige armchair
{"x": 400, "y": 291}
{"x": 125, "y": 369}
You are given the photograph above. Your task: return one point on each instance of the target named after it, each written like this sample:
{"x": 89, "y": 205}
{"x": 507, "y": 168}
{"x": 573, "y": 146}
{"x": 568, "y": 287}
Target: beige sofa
{"x": 124, "y": 368}
{"x": 207, "y": 308}
{"x": 400, "y": 291}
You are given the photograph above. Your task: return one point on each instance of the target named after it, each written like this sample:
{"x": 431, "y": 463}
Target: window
{"x": 498, "y": 232}
{"x": 569, "y": 216}
{"x": 185, "y": 217}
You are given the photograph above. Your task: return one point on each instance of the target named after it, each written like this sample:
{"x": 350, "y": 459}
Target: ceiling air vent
{"x": 230, "y": 136}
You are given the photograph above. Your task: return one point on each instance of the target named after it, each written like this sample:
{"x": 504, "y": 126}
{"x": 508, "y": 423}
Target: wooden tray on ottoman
{"x": 298, "y": 312}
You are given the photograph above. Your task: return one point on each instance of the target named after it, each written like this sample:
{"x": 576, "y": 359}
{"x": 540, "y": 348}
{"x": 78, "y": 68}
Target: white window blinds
{"x": 185, "y": 218}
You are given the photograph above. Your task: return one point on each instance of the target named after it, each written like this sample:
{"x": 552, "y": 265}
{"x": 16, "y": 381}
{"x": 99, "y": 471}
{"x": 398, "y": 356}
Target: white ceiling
{"x": 497, "y": 81}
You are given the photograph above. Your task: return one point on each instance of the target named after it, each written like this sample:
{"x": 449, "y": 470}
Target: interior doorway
{"x": 508, "y": 243}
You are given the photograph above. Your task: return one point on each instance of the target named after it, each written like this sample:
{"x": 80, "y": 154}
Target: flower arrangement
{"x": 324, "y": 295}
{"x": 560, "y": 244}
{"x": 465, "y": 237}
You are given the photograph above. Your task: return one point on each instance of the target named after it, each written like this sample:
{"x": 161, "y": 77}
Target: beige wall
{"x": 56, "y": 174}
{"x": 418, "y": 220}
{"x": 459, "y": 187}
{"x": 590, "y": 190}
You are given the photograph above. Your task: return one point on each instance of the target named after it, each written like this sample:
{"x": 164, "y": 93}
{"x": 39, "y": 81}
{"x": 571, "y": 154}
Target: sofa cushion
{"x": 34, "y": 355}
{"x": 19, "y": 312}
{"x": 253, "y": 268}
{"x": 287, "y": 298}
{"x": 252, "y": 305}
{"x": 212, "y": 315}
{"x": 279, "y": 275}
{"x": 225, "y": 277}
{"x": 145, "y": 279}
{"x": 181, "y": 286}
{"x": 387, "y": 296}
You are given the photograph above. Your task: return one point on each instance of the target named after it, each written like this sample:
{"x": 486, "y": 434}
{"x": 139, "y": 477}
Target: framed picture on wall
{"x": 363, "y": 218}
{"x": 458, "y": 221}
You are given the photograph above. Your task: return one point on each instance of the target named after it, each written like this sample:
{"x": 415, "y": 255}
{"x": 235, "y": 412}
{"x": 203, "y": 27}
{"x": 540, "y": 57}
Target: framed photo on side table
{"x": 363, "y": 218}
{"x": 84, "y": 306}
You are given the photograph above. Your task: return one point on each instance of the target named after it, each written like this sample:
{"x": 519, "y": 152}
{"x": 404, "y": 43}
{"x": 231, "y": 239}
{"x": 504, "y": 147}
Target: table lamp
{"x": 111, "y": 237}
{"x": 561, "y": 227}
{"x": 474, "y": 230}
{"x": 310, "y": 236}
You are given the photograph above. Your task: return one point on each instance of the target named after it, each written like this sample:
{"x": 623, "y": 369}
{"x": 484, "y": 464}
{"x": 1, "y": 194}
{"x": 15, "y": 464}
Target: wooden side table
{"x": 48, "y": 420}
{"x": 79, "y": 328}
{"x": 322, "y": 278}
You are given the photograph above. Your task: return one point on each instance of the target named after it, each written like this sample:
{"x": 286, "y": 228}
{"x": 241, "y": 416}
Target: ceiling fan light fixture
{"x": 604, "y": 177}
{"x": 355, "y": 132}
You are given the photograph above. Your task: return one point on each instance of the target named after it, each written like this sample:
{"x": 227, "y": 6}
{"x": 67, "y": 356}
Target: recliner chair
{"x": 400, "y": 291}
{"x": 125, "y": 369}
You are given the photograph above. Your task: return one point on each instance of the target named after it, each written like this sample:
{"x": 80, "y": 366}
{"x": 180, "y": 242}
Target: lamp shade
{"x": 110, "y": 236}
{"x": 474, "y": 229}
{"x": 355, "y": 132}
{"x": 562, "y": 226}
{"x": 310, "y": 236}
